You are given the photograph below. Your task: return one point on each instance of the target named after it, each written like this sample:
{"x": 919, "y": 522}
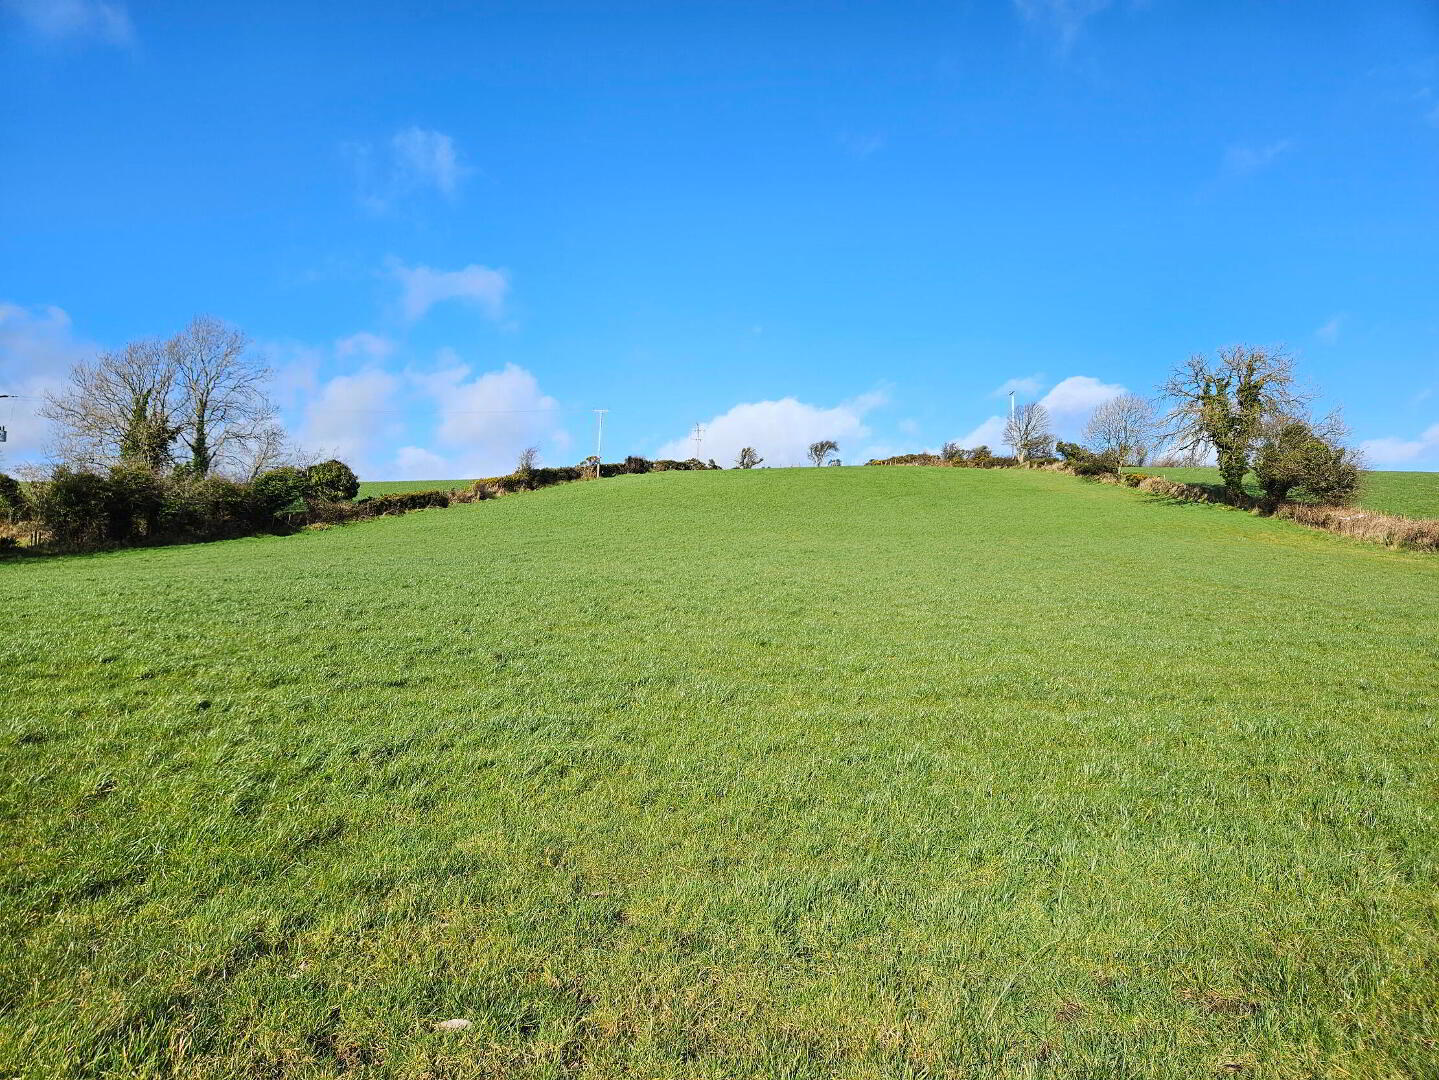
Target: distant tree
{"x": 1296, "y": 456}
{"x": 748, "y": 458}
{"x": 1123, "y": 428}
{"x": 1027, "y": 432}
{"x": 952, "y": 451}
{"x": 834, "y": 461}
{"x": 529, "y": 457}
{"x": 1229, "y": 403}
{"x": 818, "y": 451}
{"x": 636, "y": 464}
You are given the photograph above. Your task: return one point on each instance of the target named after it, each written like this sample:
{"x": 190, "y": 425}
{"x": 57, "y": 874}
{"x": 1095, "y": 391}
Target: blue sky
{"x": 455, "y": 228}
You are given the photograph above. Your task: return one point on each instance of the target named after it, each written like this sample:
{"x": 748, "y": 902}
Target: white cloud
{"x": 1329, "y": 332}
{"x": 365, "y": 344}
{"x": 1078, "y": 394}
{"x": 990, "y": 434}
{"x": 428, "y": 157}
{"x": 352, "y": 417}
{"x": 414, "y": 160}
{"x": 422, "y": 287}
{"x": 1029, "y": 384}
{"x": 1395, "y": 451}
{"x": 417, "y": 463}
{"x": 908, "y": 426}
{"x": 1243, "y": 160}
{"x": 37, "y": 349}
{"x": 780, "y": 430}
{"x": 1062, "y": 18}
{"x": 76, "y": 19}
{"x": 485, "y": 421}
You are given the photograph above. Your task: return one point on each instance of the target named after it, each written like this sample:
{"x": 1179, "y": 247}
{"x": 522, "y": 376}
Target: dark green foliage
{"x": 13, "y": 503}
{"x": 276, "y": 490}
{"x": 148, "y": 437}
{"x": 331, "y": 481}
{"x": 636, "y": 464}
{"x": 136, "y": 497}
{"x": 1296, "y": 459}
{"x": 74, "y": 507}
{"x": 689, "y": 464}
{"x": 1085, "y": 462}
{"x": 207, "y": 507}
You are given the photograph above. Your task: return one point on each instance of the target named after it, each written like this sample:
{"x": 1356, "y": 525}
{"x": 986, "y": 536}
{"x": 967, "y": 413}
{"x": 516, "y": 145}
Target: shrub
{"x": 636, "y": 464}
{"x": 276, "y": 490}
{"x": 331, "y": 481}
{"x": 74, "y": 507}
{"x": 210, "y": 507}
{"x": 14, "y": 506}
{"x": 1085, "y": 462}
{"x": 1294, "y": 457}
{"x": 136, "y": 499}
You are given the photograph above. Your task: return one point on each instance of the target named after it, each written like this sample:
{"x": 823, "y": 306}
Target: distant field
{"x": 392, "y": 487}
{"x": 1413, "y": 494}
{"x": 862, "y": 773}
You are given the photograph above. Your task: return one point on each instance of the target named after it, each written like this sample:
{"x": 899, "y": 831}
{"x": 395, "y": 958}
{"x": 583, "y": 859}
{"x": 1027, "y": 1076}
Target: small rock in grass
{"x": 453, "y": 1025}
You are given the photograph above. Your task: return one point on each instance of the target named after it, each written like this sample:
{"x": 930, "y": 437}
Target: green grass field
{"x": 395, "y": 487}
{"x": 1412, "y": 494}
{"x": 786, "y": 773}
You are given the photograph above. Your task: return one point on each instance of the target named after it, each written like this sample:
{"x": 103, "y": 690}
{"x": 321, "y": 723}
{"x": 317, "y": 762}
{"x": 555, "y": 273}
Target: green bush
{"x": 210, "y": 507}
{"x": 331, "y": 481}
{"x": 1294, "y": 458}
{"x": 74, "y": 507}
{"x": 636, "y": 464}
{"x": 14, "y": 506}
{"x": 272, "y": 492}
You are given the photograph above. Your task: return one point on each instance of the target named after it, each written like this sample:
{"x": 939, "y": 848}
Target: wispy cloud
{"x": 422, "y": 287}
{"x": 75, "y": 20}
{"x": 862, "y": 144}
{"x": 1329, "y": 332}
{"x": 1244, "y": 160}
{"x": 1392, "y": 450}
{"x": 364, "y": 344}
{"x": 1062, "y": 19}
{"x": 780, "y": 430}
{"x": 412, "y": 161}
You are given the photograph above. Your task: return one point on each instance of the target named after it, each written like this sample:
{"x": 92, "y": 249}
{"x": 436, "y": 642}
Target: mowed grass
{"x": 885, "y": 772}
{"x": 1410, "y": 494}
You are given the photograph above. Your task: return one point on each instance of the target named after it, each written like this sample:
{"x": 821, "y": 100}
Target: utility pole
{"x": 1011, "y": 406}
{"x": 599, "y": 438}
{"x": 699, "y": 436}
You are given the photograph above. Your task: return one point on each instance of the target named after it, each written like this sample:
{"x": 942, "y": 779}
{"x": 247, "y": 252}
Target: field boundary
{"x": 1390, "y": 530}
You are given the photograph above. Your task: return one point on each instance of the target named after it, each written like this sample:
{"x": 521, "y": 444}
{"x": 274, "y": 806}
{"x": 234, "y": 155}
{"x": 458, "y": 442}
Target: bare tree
{"x": 202, "y": 389}
{"x": 951, "y": 451}
{"x": 818, "y": 451}
{"x": 529, "y": 457}
{"x": 118, "y": 407}
{"x": 1027, "y": 432}
{"x": 748, "y": 458}
{"x": 1125, "y": 427}
{"x": 220, "y": 385}
{"x": 1228, "y": 403}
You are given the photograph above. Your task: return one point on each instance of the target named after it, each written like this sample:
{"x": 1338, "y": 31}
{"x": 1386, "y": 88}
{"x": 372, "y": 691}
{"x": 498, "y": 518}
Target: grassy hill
{"x": 396, "y": 487}
{"x": 785, "y": 773}
{"x": 1412, "y": 494}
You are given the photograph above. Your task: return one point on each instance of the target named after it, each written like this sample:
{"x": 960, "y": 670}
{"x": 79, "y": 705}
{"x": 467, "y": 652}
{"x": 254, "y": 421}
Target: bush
{"x": 210, "y": 507}
{"x": 74, "y": 507}
{"x": 1085, "y": 462}
{"x": 1295, "y": 458}
{"x": 274, "y": 491}
{"x": 635, "y": 464}
{"x": 331, "y": 481}
{"x": 136, "y": 499}
{"x": 14, "y": 506}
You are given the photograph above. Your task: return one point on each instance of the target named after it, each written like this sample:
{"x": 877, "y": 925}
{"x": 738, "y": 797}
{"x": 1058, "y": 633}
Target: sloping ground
{"x": 837, "y": 772}
{"x": 1410, "y": 494}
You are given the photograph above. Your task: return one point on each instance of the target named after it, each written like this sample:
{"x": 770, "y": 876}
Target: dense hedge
{"x": 978, "y": 458}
